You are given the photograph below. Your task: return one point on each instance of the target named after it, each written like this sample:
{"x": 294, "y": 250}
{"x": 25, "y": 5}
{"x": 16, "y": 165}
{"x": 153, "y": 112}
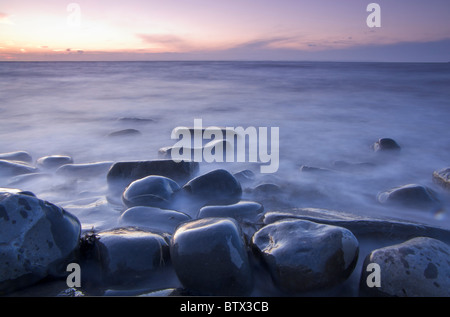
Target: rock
{"x": 122, "y": 174}
{"x": 362, "y": 227}
{"x": 71, "y": 292}
{"x": 385, "y": 144}
{"x": 135, "y": 120}
{"x": 19, "y": 156}
{"x": 125, "y": 132}
{"x": 87, "y": 170}
{"x": 442, "y": 177}
{"x": 304, "y": 256}
{"x": 411, "y": 196}
{"x": 217, "y": 187}
{"x": 129, "y": 254}
{"x": 37, "y": 239}
{"x": 312, "y": 169}
{"x": 53, "y": 161}
{"x": 210, "y": 148}
{"x": 419, "y": 267}
{"x": 152, "y": 191}
{"x": 153, "y": 219}
{"x": 13, "y": 168}
{"x": 243, "y": 211}
{"x": 245, "y": 176}
{"x": 210, "y": 257}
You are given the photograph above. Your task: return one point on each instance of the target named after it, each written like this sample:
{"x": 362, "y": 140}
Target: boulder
{"x": 53, "y": 161}
{"x": 85, "y": 170}
{"x": 125, "y": 133}
{"x": 442, "y": 177}
{"x": 37, "y": 239}
{"x": 217, "y": 187}
{"x": 153, "y": 219}
{"x": 152, "y": 191}
{"x": 304, "y": 256}
{"x": 243, "y": 211}
{"x": 411, "y": 195}
{"x": 386, "y": 144}
{"x": 14, "y": 168}
{"x": 210, "y": 257}
{"x": 18, "y": 156}
{"x": 419, "y": 267}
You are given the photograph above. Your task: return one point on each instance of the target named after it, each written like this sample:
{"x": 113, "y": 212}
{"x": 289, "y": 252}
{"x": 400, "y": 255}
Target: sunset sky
{"x": 411, "y": 30}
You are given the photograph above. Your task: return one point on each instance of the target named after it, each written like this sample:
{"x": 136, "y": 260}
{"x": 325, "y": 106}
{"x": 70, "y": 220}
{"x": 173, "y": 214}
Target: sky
{"x": 409, "y": 30}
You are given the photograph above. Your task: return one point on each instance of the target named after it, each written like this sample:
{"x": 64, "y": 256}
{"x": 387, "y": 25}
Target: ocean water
{"x": 325, "y": 112}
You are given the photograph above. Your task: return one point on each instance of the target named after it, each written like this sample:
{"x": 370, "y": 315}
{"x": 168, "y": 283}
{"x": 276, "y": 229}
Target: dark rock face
{"x": 303, "y": 255}
{"x": 442, "y": 177}
{"x": 412, "y": 195}
{"x": 386, "y": 144}
{"x": 210, "y": 257}
{"x": 152, "y": 191}
{"x": 418, "y": 267}
{"x": 122, "y": 174}
{"x": 130, "y": 254}
{"x": 154, "y": 219}
{"x": 37, "y": 239}
{"x": 217, "y": 187}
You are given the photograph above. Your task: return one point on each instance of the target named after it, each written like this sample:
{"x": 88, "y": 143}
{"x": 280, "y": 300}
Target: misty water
{"x": 325, "y": 112}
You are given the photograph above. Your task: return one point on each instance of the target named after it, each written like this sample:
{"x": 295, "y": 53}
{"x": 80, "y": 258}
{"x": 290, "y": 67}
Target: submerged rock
{"x": 13, "y": 168}
{"x": 124, "y": 133}
{"x": 442, "y": 177}
{"x": 385, "y": 144}
{"x": 122, "y": 174}
{"x": 18, "y": 156}
{"x": 217, "y": 187}
{"x": 154, "y": 219}
{"x": 87, "y": 170}
{"x": 418, "y": 267}
{"x": 130, "y": 254}
{"x": 247, "y": 211}
{"x": 37, "y": 239}
{"x": 53, "y": 161}
{"x": 411, "y": 195}
{"x": 210, "y": 257}
{"x": 303, "y": 255}
{"x": 152, "y": 191}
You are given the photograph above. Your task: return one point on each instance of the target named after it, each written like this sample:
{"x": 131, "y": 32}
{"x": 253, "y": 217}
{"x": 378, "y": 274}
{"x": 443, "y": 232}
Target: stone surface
{"x": 130, "y": 254}
{"x": 210, "y": 257}
{"x": 122, "y": 174}
{"x": 153, "y": 219}
{"x": 386, "y": 144}
{"x": 37, "y": 239}
{"x": 304, "y": 256}
{"x": 20, "y": 156}
{"x": 247, "y": 211}
{"x": 418, "y": 267}
{"x": 14, "y": 168}
{"x": 217, "y": 187}
{"x": 53, "y": 161}
{"x": 87, "y": 170}
{"x": 442, "y": 177}
{"x": 125, "y": 133}
{"x": 411, "y": 195}
{"x": 152, "y": 191}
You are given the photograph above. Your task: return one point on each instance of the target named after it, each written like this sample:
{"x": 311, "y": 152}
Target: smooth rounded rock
{"x": 248, "y": 211}
{"x": 130, "y": 254}
{"x": 37, "y": 239}
{"x": 386, "y": 144}
{"x": 14, "y": 168}
{"x": 152, "y": 191}
{"x": 419, "y": 267}
{"x": 210, "y": 257}
{"x": 53, "y": 161}
{"x": 84, "y": 170}
{"x": 20, "y": 156}
{"x": 215, "y": 187}
{"x": 304, "y": 256}
{"x": 153, "y": 219}
{"x": 411, "y": 195}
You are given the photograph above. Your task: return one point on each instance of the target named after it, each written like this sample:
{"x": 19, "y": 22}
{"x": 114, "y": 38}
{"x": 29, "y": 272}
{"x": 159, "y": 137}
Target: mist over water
{"x": 325, "y": 112}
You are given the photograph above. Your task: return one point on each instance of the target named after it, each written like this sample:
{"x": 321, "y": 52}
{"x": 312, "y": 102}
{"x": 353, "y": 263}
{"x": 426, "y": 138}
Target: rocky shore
{"x": 178, "y": 230}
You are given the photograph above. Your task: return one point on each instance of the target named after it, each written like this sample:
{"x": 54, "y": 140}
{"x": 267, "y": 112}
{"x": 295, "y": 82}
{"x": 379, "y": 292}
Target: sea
{"x": 326, "y": 112}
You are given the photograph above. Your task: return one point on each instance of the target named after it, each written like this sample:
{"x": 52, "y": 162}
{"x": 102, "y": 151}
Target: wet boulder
{"x": 247, "y": 211}
{"x": 411, "y": 195}
{"x": 14, "y": 168}
{"x": 386, "y": 144}
{"x": 84, "y": 170}
{"x": 153, "y": 219}
{"x": 218, "y": 187}
{"x": 53, "y": 161}
{"x": 38, "y": 239}
{"x": 210, "y": 257}
{"x": 304, "y": 256}
{"x": 152, "y": 191}
{"x": 18, "y": 156}
{"x": 419, "y": 267}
